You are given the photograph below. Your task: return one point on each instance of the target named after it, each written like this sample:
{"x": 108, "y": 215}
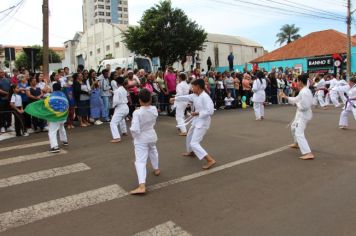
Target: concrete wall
{"x": 99, "y": 41}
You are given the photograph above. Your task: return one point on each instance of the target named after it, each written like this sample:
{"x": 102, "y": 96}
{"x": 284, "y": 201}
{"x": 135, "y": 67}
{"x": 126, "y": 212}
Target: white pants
{"x": 334, "y": 97}
{"x": 344, "y": 118}
{"x": 180, "y": 109}
{"x": 343, "y": 97}
{"x": 297, "y": 128}
{"x": 143, "y": 151}
{"x": 53, "y": 128}
{"x": 259, "y": 109}
{"x": 194, "y": 137}
{"x": 319, "y": 98}
{"x": 118, "y": 119}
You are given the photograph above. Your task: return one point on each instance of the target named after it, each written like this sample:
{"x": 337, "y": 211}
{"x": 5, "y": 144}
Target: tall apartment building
{"x": 109, "y": 11}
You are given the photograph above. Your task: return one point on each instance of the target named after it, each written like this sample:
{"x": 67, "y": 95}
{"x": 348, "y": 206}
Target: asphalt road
{"x": 274, "y": 193}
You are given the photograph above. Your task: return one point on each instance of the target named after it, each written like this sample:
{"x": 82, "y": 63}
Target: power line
{"x": 279, "y": 10}
{"x": 16, "y": 8}
{"x": 308, "y": 8}
{"x": 10, "y": 7}
{"x": 289, "y": 10}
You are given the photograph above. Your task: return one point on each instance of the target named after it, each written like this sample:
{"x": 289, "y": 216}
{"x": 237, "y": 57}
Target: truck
{"x": 133, "y": 62}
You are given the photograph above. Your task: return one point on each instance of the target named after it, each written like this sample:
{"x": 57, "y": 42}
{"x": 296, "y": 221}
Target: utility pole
{"x": 348, "y": 21}
{"x": 45, "y": 62}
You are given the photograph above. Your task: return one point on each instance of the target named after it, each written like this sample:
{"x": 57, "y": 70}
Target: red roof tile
{"x": 319, "y": 43}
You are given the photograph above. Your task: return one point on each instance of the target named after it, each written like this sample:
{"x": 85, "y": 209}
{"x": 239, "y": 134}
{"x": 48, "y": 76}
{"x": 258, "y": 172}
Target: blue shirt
{"x": 5, "y": 85}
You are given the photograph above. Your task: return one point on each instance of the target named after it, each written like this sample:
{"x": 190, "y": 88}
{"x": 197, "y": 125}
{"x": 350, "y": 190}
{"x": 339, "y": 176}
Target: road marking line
{"x": 24, "y": 216}
{"x": 215, "y": 169}
{"x": 166, "y": 229}
{"x": 22, "y": 146}
{"x": 40, "y": 155}
{"x": 43, "y": 174}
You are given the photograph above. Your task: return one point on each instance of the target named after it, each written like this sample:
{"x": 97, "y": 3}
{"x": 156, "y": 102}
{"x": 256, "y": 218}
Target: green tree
{"x": 288, "y": 33}
{"x": 23, "y": 60}
{"x": 165, "y": 32}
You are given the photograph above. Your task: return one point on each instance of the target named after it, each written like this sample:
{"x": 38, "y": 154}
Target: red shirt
{"x": 14, "y": 80}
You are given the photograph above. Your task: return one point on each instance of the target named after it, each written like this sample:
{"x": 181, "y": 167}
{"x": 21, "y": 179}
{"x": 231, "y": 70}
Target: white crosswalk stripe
{"x": 44, "y": 174}
{"x": 166, "y": 229}
{"x": 29, "y": 157}
{"x": 22, "y": 146}
{"x": 24, "y": 216}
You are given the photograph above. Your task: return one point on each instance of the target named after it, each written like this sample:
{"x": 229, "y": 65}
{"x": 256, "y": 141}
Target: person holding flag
{"x": 54, "y": 109}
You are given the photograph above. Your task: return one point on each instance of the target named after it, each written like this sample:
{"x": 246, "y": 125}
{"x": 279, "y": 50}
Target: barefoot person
{"x": 145, "y": 138}
{"x": 350, "y": 106}
{"x": 182, "y": 89}
{"x": 259, "y": 95}
{"x": 121, "y": 111}
{"x": 304, "y": 103}
{"x": 203, "y": 110}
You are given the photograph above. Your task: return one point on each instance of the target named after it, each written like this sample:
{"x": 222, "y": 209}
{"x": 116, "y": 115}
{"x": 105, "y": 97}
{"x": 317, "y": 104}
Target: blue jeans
{"x": 106, "y": 108}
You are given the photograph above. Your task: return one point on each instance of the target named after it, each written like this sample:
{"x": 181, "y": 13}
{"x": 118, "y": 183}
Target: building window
{"x": 91, "y": 53}
{"x": 101, "y": 6}
{"x": 98, "y": 50}
{"x": 107, "y": 47}
{"x": 101, "y": 13}
{"x": 119, "y": 8}
{"x": 96, "y": 20}
{"x": 101, "y": 20}
{"x": 117, "y": 44}
{"x": 95, "y": 14}
{"x": 255, "y": 50}
{"x": 101, "y": 1}
{"x": 108, "y": 14}
{"x": 107, "y": 7}
{"x": 108, "y": 21}
{"x": 125, "y": 9}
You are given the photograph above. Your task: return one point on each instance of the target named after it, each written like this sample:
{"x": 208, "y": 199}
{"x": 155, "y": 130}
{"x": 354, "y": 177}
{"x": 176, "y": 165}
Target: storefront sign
{"x": 323, "y": 62}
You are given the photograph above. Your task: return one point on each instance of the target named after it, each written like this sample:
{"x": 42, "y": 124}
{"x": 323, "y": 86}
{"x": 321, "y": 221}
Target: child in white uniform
{"x": 304, "y": 103}
{"x": 121, "y": 111}
{"x": 182, "y": 89}
{"x": 350, "y": 106}
{"x": 204, "y": 109}
{"x": 145, "y": 138}
{"x": 259, "y": 95}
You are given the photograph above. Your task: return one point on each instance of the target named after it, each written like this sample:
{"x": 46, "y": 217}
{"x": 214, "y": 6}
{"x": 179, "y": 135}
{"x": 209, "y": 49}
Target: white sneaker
{"x": 45, "y": 128}
{"x": 98, "y": 122}
{"x": 30, "y": 131}
{"x": 11, "y": 129}
{"x": 3, "y": 130}
{"x": 25, "y": 134}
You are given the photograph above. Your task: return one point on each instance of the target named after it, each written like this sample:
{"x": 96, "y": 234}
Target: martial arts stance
{"x": 304, "y": 103}
{"x": 203, "y": 110}
{"x": 320, "y": 89}
{"x": 339, "y": 91}
{"x": 145, "y": 138}
{"x": 259, "y": 95}
{"x": 350, "y": 106}
{"x": 121, "y": 111}
{"x": 182, "y": 89}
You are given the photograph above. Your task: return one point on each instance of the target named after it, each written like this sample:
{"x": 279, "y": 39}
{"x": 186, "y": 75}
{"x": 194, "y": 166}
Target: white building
{"x": 105, "y": 40}
{"x": 105, "y": 11}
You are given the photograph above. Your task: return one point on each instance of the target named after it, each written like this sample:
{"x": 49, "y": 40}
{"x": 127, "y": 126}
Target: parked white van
{"x": 134, "y": 62}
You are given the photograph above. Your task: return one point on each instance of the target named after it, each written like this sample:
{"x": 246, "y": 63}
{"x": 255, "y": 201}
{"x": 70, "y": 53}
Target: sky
{"x": 231, "y": 17}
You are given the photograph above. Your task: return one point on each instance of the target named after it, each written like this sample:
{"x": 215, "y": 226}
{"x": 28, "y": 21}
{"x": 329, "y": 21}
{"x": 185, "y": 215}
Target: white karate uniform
{"x": 350, "y": 107}
{"x": 182, "y": 89}
{"x": 259, "y": 97}
{"x": 121, "y": 111}
{"x": 200, "y": 124}
{"x": 341, "y": 88}
{"x": 145, "y": 138}
{"x": 320, "y": 93}
{"x": 332, "y": 83}
{"x": 53, "y": 128}
{"x": 304, "y": 114}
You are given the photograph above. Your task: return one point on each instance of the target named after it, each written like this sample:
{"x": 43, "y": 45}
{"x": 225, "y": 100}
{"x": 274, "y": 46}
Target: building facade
{"x": 105, "y": 11}
{"x": 102, "y": 41}
{"x": 318, "y": 52}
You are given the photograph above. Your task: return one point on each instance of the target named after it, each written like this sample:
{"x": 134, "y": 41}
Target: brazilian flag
{"x": 53, "y": 108}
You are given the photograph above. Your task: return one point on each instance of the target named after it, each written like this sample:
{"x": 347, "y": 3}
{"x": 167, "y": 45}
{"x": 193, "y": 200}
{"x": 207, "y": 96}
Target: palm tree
{"x": 288, "y": 34}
